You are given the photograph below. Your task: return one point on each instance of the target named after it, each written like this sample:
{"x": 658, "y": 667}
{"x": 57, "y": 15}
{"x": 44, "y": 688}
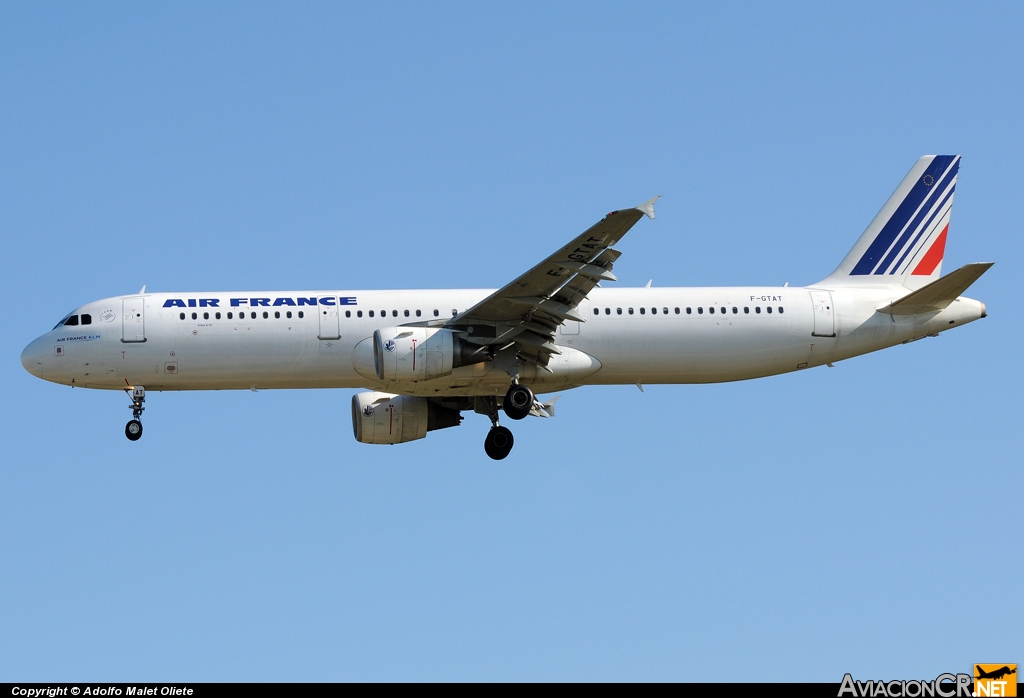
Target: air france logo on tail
{"x": 913, "y": 239}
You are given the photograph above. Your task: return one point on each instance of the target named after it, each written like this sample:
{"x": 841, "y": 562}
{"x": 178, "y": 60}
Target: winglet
{"x": 647, "y": 207}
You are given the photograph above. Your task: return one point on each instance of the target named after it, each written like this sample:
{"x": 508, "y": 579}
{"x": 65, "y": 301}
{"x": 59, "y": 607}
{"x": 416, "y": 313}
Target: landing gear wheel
{"x": 498, "y": 443}
{"x": 518, "y": 401}
{"x": 133, "y": 430}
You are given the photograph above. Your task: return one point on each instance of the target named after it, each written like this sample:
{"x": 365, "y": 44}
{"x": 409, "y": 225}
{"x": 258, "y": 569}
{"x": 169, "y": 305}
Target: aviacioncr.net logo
{"x": 943, "y": 686}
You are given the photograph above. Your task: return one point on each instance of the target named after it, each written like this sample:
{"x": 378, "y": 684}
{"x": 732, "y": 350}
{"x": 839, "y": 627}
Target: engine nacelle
{"x": 420, "y": 353}
{"x": 385, "y": 418}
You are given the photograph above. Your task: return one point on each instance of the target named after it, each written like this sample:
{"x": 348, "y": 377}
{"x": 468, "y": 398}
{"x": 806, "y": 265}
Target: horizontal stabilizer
{"x": 938, "y": 294}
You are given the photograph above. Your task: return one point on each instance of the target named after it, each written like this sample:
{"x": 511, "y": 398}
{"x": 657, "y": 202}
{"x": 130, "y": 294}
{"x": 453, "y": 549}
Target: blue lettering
{"x": 235, "y": 302}
{"x": 174, "y": 303}
{"x": 327, "y": 300}
{"x": 307, "y": 301}
{"x": 257, "y": 302}
{"x": 347, "y": 301}
{"x": 209, "y": 302}
{"x": 191, "y": 302}
{"x": 284, "y": 301}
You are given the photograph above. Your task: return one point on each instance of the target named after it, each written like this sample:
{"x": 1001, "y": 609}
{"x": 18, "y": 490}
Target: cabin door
{"x": 327, "y": 310}
{"x": 133, "y": 320}
{"x": 824, "y": 314}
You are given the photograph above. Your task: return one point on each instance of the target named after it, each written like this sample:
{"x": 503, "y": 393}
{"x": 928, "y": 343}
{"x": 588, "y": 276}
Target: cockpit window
{"x": 86, "y": 319}
{"x": 73, "y": 320}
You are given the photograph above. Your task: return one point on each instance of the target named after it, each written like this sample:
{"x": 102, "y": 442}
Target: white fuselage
{"x": 638, "y": 335}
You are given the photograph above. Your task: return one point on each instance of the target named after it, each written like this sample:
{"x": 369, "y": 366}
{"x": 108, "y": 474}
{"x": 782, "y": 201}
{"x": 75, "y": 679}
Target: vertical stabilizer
{"x": 905, "y": 243}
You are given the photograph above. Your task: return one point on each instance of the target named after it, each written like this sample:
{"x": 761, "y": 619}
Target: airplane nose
{"x": 32, "y": 358}
{"x": 984, "y": 311}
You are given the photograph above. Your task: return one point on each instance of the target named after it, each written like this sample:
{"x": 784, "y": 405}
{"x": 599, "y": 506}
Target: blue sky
{"x": 792, "y": 528}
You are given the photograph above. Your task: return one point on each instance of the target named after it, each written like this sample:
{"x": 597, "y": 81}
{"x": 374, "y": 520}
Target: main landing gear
{"x": 517, "y": 405}
{"x": 498, "y": 443}
{"x": 133, "y": 429}
{"x": 518, "y": 401}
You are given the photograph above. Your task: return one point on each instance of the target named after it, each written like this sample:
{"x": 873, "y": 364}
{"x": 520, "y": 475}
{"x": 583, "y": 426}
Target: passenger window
{"x": 436, "y": 312}
{"x": 217, "y": 316}
{"x": 265, "y": 314}
{"x": 654, "y": 311}
{"x": 689, "y": 311}
{"x": 618, "y": 311}
{"x": 195, "y": 316}
{"x": 181, "y": 316}
{"x": 780, "y": 310}
{"x": 370, "y": 313}
{"x": 735, "y": 310}
{"x": 348, "y": 313}
{"x": 607, "y": 311}
{"x": 722, "y": 310}
{"x": 289, "y": 314}
{"x": 359, "y": 313}
{"x": 664, "y": 311}
{"x": 454, "y": 312}
{"x": 418, "y": 313}
{"x": 643, "y": 311}
{"x": 86, "y": 319}
{"x": 746, "y": 310}
{"x": 230, "y": 315}
{"x": 630, "y": 311}
{"x": 253, "y": 315}
{"x": 407, "y": 313}
{"x": 757, "y": 310}
{"x": 394, "y": 313}
{"x": 301, "y": 314}
{"x": 769, "y": 309}
{"x": 597, "y": 311}
{"x": 206, "y": 316}
{"x": 383, "y": 313}
{"x": 71, "y": 321}
{"x": 700, "y": 310}
{"x": 277, "y": 314}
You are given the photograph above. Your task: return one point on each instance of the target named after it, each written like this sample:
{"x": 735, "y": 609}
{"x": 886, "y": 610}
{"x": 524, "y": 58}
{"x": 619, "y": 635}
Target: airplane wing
{"x": 527, "y": 312}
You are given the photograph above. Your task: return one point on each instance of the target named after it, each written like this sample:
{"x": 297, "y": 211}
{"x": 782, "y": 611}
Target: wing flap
{"x": 528, "y": 311}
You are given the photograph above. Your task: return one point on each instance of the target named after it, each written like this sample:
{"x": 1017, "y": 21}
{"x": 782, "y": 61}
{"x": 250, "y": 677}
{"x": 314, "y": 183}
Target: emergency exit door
{"x": 133, "y": 320}
{"x": 327, "y": 311}
{"x": 824, "y": 314}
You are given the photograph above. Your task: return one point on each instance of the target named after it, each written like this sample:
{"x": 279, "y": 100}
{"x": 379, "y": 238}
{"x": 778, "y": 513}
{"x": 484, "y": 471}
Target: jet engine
{"x": 385, "y": 418}
{"x": 421, "y": 353}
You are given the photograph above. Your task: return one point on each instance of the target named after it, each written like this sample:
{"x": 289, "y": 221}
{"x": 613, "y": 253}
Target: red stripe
{"x": 933, "y": 257}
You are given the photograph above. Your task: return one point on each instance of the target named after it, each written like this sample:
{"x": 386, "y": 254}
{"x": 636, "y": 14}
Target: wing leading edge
{"x": 526, "y": 313}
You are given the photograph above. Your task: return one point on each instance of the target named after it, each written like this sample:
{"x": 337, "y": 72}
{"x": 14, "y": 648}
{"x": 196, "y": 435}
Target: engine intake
{"x": 420, "y": 353}
{"x": 385, "y": 418}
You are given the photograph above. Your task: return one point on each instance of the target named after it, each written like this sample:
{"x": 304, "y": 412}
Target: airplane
{"x": 996, "y": 674}
{"x": 423, "y": 357}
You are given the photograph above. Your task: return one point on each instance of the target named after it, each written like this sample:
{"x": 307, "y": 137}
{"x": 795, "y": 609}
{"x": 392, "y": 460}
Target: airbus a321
{"x": 425, "y": 357}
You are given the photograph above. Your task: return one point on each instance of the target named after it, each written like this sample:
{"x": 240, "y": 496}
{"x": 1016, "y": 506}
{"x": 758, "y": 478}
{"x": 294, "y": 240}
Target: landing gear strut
{"x": 133, "y": 429}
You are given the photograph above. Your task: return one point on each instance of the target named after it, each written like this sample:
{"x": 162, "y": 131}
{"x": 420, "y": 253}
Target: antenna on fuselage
{"x": 142, "y": 290}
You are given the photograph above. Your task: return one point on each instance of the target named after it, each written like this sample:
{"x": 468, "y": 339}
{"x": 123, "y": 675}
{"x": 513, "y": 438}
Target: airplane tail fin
{"x": 905, "y": 243}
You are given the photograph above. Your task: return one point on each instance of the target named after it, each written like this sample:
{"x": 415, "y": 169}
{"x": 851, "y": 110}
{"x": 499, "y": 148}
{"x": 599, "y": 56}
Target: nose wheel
{"x": 133, "y": 429}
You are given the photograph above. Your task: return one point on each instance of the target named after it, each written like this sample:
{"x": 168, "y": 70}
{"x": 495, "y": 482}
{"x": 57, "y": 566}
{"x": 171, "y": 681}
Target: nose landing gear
{"x": 133, "y": 429}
